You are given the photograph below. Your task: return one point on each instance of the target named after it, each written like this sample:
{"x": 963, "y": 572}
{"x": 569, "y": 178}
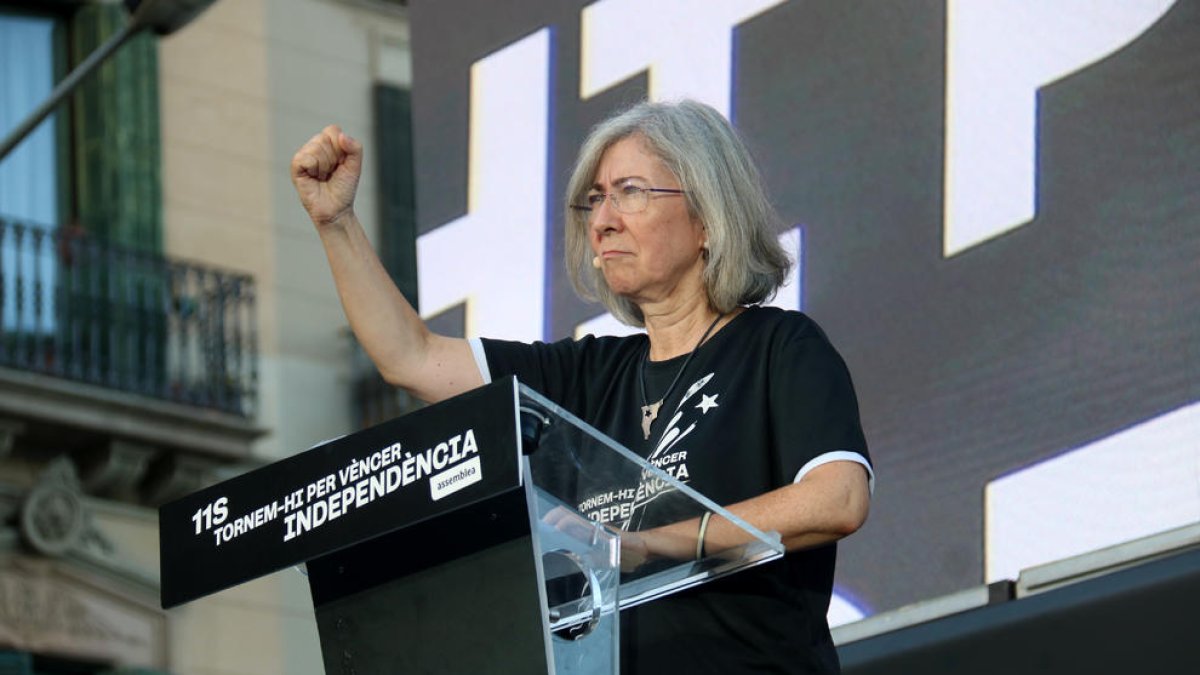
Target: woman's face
{"x": 654, "y": 254}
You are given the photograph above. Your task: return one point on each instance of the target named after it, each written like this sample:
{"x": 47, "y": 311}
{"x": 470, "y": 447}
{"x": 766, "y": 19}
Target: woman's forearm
{"x": 407, "y": 354}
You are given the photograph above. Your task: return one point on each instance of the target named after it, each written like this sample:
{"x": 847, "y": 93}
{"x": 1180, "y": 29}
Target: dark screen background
{"x": 1061, "y": 332}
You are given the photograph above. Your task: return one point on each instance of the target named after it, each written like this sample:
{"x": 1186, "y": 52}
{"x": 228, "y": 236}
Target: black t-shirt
{"x": 765, "y": 400}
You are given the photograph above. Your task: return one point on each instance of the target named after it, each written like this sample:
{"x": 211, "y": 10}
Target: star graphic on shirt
{"x": 707, "y": 402}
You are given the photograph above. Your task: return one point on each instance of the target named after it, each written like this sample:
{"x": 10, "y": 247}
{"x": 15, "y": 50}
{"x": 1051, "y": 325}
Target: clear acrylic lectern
{"x": 495, "y": 570}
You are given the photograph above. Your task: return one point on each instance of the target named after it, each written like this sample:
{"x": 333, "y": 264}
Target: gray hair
{"x": 745, "y": 263}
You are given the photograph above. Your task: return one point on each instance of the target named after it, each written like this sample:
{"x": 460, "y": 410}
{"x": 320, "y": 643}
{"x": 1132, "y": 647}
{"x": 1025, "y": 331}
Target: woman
{"x": 669, "y": 228}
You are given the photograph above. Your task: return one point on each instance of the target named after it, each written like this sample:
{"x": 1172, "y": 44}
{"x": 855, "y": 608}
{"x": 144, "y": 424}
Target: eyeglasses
{"x": 627, "y": 199}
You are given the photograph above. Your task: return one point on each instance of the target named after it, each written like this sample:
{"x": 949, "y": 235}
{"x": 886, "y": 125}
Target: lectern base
{"x": 477, "y": 612}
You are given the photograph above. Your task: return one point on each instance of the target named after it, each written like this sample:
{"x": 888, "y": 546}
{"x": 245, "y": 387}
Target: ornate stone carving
{"x": 46, "y": 608}
{"x": 173, "y": 476}
{"x": 53, "y": 520}
{"x": 115, "y": 470}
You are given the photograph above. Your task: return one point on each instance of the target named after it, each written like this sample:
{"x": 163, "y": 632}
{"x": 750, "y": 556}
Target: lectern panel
{"x": 444, "y": 610}
{"x": 340, "y": 493}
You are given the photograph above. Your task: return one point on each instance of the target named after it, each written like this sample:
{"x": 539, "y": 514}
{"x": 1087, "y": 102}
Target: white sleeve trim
{"x": 838, "y": 456}
{"x": 480, "y": 359}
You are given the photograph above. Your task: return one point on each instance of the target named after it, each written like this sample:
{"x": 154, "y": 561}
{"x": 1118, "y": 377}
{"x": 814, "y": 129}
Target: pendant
{"x": 649, "y": 414}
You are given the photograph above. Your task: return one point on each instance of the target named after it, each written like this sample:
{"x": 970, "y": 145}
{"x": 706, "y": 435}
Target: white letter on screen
{"x": 998, "y": 53}
{"x": 1134, "y": 483}
{"x": 791, "y": 293}
{"x": 687, "y": 46}
{"x": 493, "y": 258}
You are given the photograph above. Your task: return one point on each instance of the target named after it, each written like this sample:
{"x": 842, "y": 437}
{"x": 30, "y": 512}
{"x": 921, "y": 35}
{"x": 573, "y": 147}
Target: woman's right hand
{"x": 325, "y": 171}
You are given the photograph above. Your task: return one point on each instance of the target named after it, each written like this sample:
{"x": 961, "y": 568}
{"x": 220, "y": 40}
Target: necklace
{"x": 650, "y": 410}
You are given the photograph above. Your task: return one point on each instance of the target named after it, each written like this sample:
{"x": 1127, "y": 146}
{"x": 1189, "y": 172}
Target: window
{"x": 29, "y": 176}
{"x": 80, "y": 199}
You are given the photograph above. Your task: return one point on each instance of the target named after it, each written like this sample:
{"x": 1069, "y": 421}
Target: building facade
{"x": 168, "y": 320}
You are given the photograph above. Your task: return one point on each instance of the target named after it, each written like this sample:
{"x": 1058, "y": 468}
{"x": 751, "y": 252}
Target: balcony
{"x": 75, "y": 307}
{"x": 142, "y": 369}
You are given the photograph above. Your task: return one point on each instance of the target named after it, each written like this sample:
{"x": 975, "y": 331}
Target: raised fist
{"x": 325, "y": 171}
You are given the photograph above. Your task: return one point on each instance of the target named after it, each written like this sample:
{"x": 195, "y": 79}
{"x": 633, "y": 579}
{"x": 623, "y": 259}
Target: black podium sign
{"x": 340, "y": 493}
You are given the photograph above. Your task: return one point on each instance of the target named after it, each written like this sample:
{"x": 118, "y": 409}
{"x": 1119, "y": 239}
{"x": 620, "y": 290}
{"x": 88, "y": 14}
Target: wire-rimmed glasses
{"x": 627, "y": 199}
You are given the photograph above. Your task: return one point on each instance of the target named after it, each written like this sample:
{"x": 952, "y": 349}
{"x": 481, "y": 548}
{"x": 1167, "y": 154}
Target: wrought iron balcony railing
{"x": 76, "y": 307}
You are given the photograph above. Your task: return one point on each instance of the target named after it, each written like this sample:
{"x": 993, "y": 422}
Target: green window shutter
{"x": 397, "y": 191}
{"x": 118, "y": 156}
{"x": 376, "y": 400}
{"x": 118, "y": 198}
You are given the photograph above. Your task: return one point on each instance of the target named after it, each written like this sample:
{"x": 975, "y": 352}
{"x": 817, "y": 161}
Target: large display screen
{"x": 994, "y": 208}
